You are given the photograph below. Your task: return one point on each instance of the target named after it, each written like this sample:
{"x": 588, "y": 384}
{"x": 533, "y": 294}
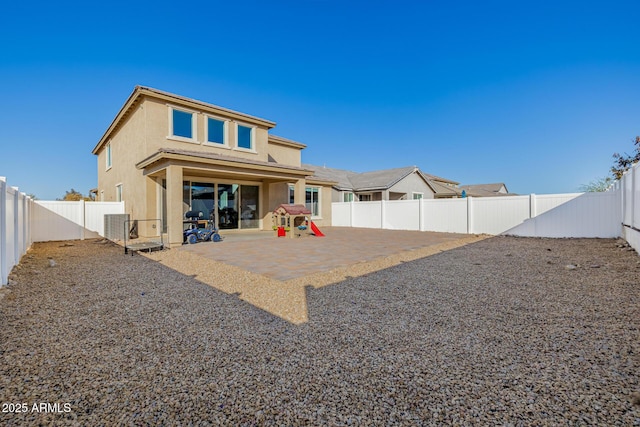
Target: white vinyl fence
{"x": 24, "y": 221}
{"x": 551, "y": 215}
{"x": 629, "y": 187}
{"x": 60, "y": 220}
{"x": 15, "y": 230}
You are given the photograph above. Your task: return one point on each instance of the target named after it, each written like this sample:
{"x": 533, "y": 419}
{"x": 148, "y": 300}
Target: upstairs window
{"x": 245, "y": 137}
{"x": 182, "y": 124}
{"x": 347, "y": 197}
{"x": 418, "y": 196}
{"x": 216, "y": 131}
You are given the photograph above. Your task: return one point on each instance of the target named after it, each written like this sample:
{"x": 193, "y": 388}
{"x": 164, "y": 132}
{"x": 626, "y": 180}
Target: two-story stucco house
{"x": 165, "y": 154}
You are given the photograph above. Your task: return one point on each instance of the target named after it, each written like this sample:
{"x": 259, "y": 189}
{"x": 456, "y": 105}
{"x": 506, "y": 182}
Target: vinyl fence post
{"x": 82, "y": 219}
{"x": 633, "y": 196}
{"x": 620, "y": 190}
{"x": 16, "y": 226}
{"x": 3, "y": 231}
{"x": 469, "y": 215}
{"x": 532, "y": 206}
{"x": 623, "y": 190}
{"x": 27, "y": 221}
{"x": 420, "y": 212}
{"x": 23, "y": 227}
{"x": 382, "y": 214}
{"x": 351, "y": 207}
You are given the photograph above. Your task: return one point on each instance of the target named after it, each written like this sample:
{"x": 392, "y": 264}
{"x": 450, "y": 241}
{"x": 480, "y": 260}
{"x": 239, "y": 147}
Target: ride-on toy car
{"x": 195, "y": 234}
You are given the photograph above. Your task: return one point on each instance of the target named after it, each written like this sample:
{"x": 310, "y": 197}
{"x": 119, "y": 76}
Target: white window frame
{"x": 108, "y": 156}
{"x": 319, "y": 201}
{"x": 225, "y": 132}
{"x": 194, "y": 124}
{"x": 346, "y": 194}
{"x": 417, "y": 193}
{"x": 253, "y": 138}
{"x": 119, "y": 192}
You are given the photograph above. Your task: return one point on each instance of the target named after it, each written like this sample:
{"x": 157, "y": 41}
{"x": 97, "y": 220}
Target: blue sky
{"x": 538, "y": 95}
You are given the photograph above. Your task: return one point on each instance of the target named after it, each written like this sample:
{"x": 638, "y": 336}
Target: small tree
{"x": 598, "y": 185}
{"x": 74, "y": 196}
{"x": 622, "y": 163}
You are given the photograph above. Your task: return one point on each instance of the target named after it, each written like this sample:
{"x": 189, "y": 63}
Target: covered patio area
{"x": 235, "y": 194}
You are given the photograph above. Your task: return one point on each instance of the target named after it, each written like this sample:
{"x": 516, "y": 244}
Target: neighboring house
{"x": 388, "y": 184}
{"x": 486, "y": 190}
{"x": 165, "y": 154}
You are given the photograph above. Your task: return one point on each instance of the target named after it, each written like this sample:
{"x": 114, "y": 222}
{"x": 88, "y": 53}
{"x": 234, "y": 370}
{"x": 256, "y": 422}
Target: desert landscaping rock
{"x": 497, "y": 332}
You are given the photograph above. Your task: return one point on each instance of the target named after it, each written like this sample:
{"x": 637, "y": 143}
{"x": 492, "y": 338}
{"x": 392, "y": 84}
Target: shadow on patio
{"x": 272, "y": 274}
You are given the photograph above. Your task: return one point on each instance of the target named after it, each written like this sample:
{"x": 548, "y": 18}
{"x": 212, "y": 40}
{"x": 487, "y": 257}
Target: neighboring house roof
{"x": 381, "y": 179}
{"x": 443, "y": 190}
{"x": 139, "y": 92}
{"x": 486, "y": 190}
{"x": 440, "y": 179}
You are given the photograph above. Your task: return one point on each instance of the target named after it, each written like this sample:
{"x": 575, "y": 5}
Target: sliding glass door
{"x": 228, "y": 206}
{"x": 249, "y": 202}
{"x": 233, "y": 206}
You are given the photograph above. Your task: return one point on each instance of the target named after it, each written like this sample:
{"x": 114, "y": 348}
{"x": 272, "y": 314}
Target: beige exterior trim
{"x": 278, "y": 140}
{"x": 319, "y": 182}
{"x": 206, "y": 162}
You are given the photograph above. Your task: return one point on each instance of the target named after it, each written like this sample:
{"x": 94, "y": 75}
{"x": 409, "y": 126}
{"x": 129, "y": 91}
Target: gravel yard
{"x": 507, "y": 331}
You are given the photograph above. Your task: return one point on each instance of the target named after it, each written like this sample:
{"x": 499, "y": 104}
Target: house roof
{"x": 439, "y": 179}
{"x": 380, "y": 179}
{"x": 220, "y": 159}
{"x": 486, "y": 190}
{"x": 340, "y": 176}
{"x": 443, "y": 190}
{"x": 139, "y": 92}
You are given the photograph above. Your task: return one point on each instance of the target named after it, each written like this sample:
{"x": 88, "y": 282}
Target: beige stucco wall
{"x": 325, "y": 207}
{"x": 127, "y": 148}
{"x": 284, "y": 155}
{"x": 158, "y": 121}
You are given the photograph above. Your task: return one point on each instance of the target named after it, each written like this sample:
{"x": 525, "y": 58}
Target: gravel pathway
{"x": 506, "y": 331}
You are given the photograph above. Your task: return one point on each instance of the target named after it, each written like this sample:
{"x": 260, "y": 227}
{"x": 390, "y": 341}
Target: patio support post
{"x": 174, "y": 205}
{"x": 299, "y": 192}
{"x": 532, "y": 206}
